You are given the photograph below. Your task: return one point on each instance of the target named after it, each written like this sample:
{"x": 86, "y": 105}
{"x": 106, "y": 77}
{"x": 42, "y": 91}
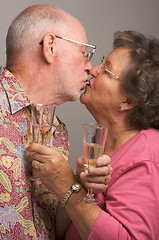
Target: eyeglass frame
{"x": 103, "y": 60}
{"x": 89, "y": 55}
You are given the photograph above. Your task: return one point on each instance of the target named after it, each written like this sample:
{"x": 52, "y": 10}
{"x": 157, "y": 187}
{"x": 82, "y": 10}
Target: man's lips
{"x": 85, "y": 84}
{"x": 88, "y": 83}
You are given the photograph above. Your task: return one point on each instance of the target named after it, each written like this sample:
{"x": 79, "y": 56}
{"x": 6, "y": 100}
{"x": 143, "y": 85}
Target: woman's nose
{"x": 94, "y": 70}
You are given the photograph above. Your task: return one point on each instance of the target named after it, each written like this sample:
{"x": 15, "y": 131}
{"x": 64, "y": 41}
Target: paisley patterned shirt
{"x": 27, "y": 209}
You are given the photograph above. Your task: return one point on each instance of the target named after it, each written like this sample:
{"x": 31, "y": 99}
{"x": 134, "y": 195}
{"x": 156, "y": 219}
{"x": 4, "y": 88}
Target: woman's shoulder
{"x": 142, "y": 147}
{"x": 141, "y": 150}
{"x": 151, "y": 141}
{"x": 150, "y": 131}
{"x": 151, "y": 135}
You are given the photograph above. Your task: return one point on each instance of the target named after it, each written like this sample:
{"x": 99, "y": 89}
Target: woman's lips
{"x": 88, "y": 84}
{"x": 83, "y": 86}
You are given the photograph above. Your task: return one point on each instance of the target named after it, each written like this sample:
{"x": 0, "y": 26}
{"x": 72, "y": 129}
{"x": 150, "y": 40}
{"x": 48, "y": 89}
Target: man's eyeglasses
{"x": 89, "y": 55}
{"x": 103, "y": 67}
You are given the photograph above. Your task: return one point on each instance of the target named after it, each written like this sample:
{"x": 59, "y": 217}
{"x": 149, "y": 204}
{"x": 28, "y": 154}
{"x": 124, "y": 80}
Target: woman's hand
{"x": 98, "y": 176}
{"x": 55, "y": 172}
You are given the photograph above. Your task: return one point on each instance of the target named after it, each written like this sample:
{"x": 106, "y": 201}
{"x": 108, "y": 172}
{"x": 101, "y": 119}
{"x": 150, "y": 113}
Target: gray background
{"x": 101, "y": 19}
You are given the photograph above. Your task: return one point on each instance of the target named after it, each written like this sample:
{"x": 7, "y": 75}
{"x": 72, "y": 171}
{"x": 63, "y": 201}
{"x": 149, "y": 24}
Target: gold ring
{"x": 37, "y": 166}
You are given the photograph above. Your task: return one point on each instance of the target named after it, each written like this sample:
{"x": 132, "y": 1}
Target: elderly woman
{"x": 123, "y": 95}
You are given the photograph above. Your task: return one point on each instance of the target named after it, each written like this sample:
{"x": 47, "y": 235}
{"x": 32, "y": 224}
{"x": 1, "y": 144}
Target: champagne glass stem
{"x": 89, "y": 198}
{"x": 90, "y": 193}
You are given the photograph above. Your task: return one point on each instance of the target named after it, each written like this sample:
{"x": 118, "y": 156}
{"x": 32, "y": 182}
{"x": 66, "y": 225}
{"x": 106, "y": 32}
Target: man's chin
{"x": 74, "y": 97}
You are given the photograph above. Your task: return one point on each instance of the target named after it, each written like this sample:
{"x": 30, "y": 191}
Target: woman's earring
{"x": 120, "y": 107}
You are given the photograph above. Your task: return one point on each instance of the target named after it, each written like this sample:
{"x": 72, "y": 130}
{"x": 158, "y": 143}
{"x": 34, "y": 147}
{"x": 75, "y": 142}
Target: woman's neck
{"x": 116, "y": 139}
{"x": 118, "y": 131}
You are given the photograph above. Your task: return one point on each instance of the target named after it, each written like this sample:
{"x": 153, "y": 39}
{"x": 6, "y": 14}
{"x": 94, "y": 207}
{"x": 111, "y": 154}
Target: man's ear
{"x": 49, "y": 47}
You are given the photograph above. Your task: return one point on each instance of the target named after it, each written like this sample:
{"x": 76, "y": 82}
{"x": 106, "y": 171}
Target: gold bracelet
{"x": 75, "y": 188}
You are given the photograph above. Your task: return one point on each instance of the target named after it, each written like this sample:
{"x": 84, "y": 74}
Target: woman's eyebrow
{"x": 108, "y": 64}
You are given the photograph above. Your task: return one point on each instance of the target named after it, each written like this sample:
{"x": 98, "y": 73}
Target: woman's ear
{"x": 127, "y": 105}
{"x": 49, "y": 47}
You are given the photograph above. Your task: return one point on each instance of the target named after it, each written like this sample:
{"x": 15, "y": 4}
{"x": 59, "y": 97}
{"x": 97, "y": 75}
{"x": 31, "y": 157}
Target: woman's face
{"x": 104, "y": 93}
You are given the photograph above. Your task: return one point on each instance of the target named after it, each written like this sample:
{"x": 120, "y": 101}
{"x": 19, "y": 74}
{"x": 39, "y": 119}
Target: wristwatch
{"x": 75, "y": 188}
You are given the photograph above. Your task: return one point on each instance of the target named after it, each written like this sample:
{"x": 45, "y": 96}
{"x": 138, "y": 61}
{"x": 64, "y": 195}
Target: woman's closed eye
{"x": 106, "y": 71}
{"x": 104, "y": 65}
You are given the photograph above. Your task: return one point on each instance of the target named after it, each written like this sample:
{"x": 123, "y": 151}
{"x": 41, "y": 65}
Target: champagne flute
{"x": 94, "y": 138}
{"x": 42, "y": 122}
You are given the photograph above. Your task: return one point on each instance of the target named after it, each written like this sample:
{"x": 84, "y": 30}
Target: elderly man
{"x": 47, "y": 62}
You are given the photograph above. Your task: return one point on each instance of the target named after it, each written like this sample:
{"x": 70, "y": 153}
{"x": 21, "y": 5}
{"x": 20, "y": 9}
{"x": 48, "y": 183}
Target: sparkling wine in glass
{"x": 94, "y": 138}
{"x": 42, "y": 123}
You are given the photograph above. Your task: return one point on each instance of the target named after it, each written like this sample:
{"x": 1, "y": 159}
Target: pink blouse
{"x": 130, "y": 206}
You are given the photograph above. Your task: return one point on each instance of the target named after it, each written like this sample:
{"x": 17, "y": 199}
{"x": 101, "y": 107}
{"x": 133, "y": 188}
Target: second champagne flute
{"x": 94, "y": 138}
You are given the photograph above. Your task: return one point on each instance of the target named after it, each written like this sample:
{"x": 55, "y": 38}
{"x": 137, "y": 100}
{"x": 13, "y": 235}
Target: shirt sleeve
{"x": 107, "y": 227}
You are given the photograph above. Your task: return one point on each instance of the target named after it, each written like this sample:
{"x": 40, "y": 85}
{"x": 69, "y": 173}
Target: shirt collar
{"x": 17, "y": 98}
